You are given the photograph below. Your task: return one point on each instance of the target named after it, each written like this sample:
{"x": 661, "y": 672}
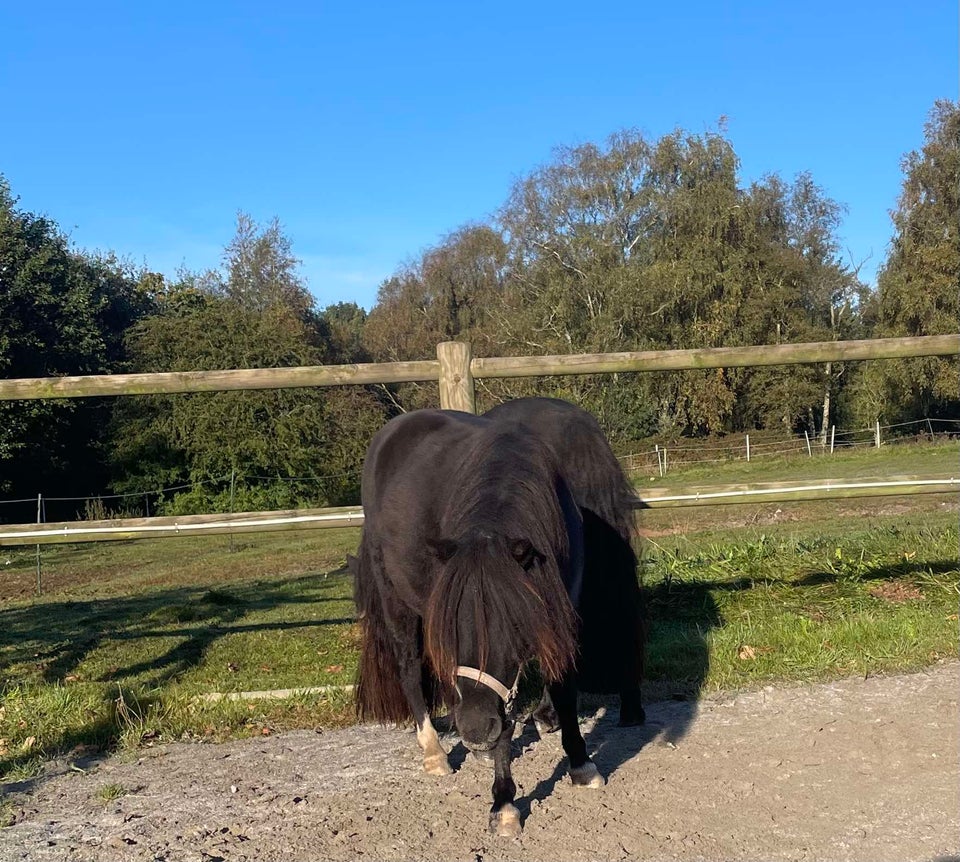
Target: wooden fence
{"x": 455, "y": 370}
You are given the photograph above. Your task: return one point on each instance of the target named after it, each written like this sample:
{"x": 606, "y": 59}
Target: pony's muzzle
{"x": 479, "y": 730}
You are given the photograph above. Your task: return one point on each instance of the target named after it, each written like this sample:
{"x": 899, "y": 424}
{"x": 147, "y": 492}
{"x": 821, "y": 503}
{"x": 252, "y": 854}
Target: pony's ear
{"x": 524, "y": 553}
{"x": 442, "y": 549}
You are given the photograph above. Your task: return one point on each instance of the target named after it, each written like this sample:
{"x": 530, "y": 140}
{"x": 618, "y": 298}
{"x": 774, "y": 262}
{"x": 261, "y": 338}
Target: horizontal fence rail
{"x": 178, "y": 526}
{"x": 794, "y": 492}
{"x": 352, "y": 516}
{"x": 455, "y": 369}
{"x": 717, "y": 357}
{"x": 172, "y": 382}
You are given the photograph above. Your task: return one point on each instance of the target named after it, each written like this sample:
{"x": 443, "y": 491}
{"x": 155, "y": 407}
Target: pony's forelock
{"x": 524, "y": 613}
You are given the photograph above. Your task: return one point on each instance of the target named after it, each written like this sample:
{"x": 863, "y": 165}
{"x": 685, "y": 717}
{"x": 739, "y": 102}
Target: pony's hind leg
{"x": 545, "y": 716}
{"x": 631, "y": 706}
{"x": 504, "y": 817}
{"x": 583, "y": 771}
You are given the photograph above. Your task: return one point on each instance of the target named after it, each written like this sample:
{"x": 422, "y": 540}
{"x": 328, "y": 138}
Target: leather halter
{"x": 507, "y": 695}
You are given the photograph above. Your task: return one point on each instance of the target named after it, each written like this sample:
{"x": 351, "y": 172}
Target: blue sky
{"x": 373, "y": 130}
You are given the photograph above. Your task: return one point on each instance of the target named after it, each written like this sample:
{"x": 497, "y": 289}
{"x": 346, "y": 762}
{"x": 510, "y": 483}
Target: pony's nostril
{"x": 479, "y": 731}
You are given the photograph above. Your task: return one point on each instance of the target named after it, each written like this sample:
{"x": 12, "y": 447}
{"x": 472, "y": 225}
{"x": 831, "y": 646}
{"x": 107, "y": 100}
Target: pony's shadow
{"x": 680, "y": 616}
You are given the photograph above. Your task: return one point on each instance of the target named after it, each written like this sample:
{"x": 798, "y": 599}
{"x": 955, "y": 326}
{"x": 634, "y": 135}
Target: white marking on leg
{"x": 506, "y": 822}
{"x": 545, "y": 716}
{"x": 435, "y": 760}
{"x": 587, "y": 776}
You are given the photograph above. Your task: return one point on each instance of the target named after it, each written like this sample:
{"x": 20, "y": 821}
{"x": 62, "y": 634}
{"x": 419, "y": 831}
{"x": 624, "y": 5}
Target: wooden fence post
{"x": 456, "y": 381}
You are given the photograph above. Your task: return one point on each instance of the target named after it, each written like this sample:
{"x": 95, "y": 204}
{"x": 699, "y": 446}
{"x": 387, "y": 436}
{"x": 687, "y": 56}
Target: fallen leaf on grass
{"x": 746, "y": 652}
{"x": 334, "y": 668}
{"x": 28, "y": 743}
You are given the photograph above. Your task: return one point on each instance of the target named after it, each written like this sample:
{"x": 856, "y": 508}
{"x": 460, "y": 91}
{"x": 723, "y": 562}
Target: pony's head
{"x": 497, "y": 602}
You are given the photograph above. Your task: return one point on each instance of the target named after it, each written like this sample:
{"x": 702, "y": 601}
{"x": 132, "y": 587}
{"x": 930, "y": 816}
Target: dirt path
{"x": 854, "y": 770}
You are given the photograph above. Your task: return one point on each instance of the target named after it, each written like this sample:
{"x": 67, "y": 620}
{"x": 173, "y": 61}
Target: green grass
{"x": 129, "y": 634}
{"x": 801, "y": 604}
{"x": 112, "y": 791}
{"x": 930, "y": 459}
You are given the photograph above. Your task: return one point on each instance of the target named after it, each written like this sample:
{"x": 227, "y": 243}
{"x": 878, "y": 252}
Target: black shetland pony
{"x": 477, "y": 556}
{"x": 612, "y": 629}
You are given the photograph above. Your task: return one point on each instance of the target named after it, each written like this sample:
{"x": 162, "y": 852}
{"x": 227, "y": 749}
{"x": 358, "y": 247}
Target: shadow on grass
{"x": 57, "y": 636}
{"x": 46, "y": 643}
{"x": 681, "y": 615}
{"x": 868, "y": 572}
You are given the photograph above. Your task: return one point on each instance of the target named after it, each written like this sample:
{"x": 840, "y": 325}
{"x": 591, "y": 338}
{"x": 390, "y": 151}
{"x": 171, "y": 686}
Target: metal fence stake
{"x": 39, "y": 566}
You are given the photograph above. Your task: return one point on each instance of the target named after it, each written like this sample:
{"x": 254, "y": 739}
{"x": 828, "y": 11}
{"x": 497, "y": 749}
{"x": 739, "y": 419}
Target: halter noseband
{"x": 507, "y": 695}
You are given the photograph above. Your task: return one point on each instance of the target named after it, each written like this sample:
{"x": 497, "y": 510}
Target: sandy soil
{"x": 853, "y": 770}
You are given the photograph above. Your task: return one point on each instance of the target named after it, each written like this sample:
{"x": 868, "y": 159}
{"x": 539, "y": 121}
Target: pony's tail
{"x": 379, "y": 696}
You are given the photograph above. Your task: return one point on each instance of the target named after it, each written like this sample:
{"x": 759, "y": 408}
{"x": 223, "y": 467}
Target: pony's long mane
{"x": 589, "y": 465}
{"x": 508, "y": 489}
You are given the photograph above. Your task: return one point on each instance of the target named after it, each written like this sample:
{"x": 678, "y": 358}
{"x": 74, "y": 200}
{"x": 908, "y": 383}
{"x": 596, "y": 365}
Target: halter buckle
{"x": 507, "y": 695}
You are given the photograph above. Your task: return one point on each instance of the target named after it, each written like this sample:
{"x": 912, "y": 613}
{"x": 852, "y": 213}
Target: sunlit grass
{"x": 803, "y": 604}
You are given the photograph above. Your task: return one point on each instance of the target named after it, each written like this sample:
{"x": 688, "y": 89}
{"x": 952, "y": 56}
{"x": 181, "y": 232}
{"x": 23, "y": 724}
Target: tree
{"x": 801, "y": 291}
{"x": 917, "y": 288}
{"x": 344, "y": 324}
{"x": 655, "y": 245}
{"x": 262, "y": 449}
{"x": 448, "y": 294}
{"x": 61, "y": 312}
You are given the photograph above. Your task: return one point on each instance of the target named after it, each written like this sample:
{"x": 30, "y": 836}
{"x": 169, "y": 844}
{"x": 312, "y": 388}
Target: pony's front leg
{"x": 504, "y": 817}
{"x": 410, "y": 665}
{"x": 583, "y": 772}
{"x": 435, "y": 761}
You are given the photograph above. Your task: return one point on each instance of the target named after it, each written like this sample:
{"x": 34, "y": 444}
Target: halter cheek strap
{"x": 507, "y": 695}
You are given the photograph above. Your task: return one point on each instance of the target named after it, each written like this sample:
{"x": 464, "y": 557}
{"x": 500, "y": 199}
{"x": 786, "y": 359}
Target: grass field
{"x": 128, "y": 635}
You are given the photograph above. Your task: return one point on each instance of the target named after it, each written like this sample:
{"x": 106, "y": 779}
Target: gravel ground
{"x": 851, "y": 770}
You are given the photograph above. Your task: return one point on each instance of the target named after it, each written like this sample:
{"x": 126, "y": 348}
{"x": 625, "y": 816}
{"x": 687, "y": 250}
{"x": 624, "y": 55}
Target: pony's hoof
{"x": 505, "y": 823}
{"x": 587, "y": 776}
{"x": 437, "y": 764}
{"x": 632, "y": 718}
{"x": 546, "y": 721}
{"x": 484, "y": 757}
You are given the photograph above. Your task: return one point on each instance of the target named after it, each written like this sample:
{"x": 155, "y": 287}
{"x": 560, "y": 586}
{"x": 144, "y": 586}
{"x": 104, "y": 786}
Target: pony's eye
{"x": 524, "y": 553}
